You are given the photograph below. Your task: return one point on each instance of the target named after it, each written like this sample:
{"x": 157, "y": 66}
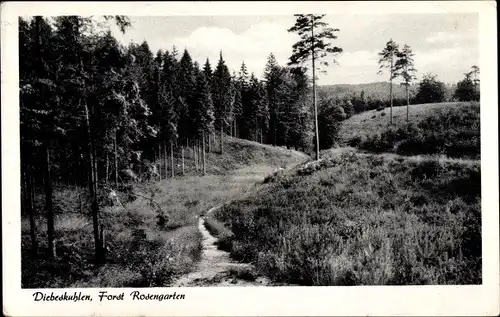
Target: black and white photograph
{"x": 278, "y": 150}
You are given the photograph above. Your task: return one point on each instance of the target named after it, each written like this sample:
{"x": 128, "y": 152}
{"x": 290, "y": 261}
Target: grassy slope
{"x": 446, "y": 129}
{"x": 364, "y": 219}
{"x": 377, "y": 90}
{"x": 367, "y": 219}
{"x": 142, "y": 253}
{"x": 372, "y": 122}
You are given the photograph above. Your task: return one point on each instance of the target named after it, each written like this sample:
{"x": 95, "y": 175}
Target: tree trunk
{"x": 209, "y": 145}
{"x": 165, "y": 159}
{"x": 107, "y": 168}
{"x": 92, "y": 187}
{"x": 94, "y": 167}
{"x": 274, "y": 131}
{"x": 407, "y": 103}
{"x": 204, "y": 156}
{"x": 221, "y": 139}
{"x": 159, "y": 161}
{"x": 392, "y": 62}
{"x": 116, "y": 161}
{"x": 314, "y": 92}
{"x": 48, "y": 202}
{"x": 172, "y": 171}
{"x": 256, "y": 132}
{"x": 195, "y": 154}
{"x": 29, "y": 208}
{"x": 182, "y": 155}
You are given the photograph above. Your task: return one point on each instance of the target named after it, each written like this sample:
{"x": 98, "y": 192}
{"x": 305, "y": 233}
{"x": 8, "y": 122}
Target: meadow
{"x": 145, "y": 247}
{"x": 373, "y": 122}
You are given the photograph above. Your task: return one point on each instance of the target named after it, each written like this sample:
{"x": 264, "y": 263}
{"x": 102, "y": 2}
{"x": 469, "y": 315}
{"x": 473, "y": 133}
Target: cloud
{"x": 441, "y": 37}
{"x": 440, "y": 47}
{"x": 362, "y": 58}
{"x": 439, "y": 56}
{"x": 253, "y": 46}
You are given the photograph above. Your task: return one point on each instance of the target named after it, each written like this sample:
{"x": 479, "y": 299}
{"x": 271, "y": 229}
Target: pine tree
{"x": 222, "y": 98}
{"x": 314, "y": 36}
{"x": 405, "y": 67}
{"x": 272, "y": 73}
{"x": 203, "y": 116}
{"x": 186, "y": 84}
{"x": 388, "y": 61}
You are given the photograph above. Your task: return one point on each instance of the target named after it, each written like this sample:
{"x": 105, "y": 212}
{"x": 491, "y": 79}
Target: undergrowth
{"x": 364, "y": 220}
{"x": 144, "y": 247}
{"x": 453, "y": 132}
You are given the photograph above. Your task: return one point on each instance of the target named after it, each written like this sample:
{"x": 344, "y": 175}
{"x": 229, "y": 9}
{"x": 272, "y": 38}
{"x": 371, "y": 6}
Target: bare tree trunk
{"x": 107, "y": 168}
{"x": 209, "y": 143}
{"x": 214, "y": 138}
{"x": 221, "y": 139}
{"x": 195, "y": 154}
{"x": 392, "y": 62}
{"x": 256, "y": 132}
{"x": 94, "y": 167}
{"x": 204, "y": 156}
{"x": 48, "y": 202}
{"x": 182, "y": 154}
{"x": 29, "y": 207}
{"x": 314, "y": 91}
{"x": 165, "y": 159}
{"x": 200, "y": 154}
{"x": 407, "y": 103}
{"x": 116, "y": 161}
{"x": 172, "y": 171}
{"x": 159, "y": 161}
{"x": 99, "y": 259}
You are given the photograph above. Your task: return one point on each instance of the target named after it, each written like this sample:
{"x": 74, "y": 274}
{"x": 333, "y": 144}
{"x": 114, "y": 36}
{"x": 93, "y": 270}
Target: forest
{"x": 96, "y": 113}
{"x": 99, "y": 118}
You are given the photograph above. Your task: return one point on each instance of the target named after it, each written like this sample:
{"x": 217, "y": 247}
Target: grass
{"x": 217, "y": 229}
{"x": 364, "y": 219}
{"x": 370, "y": 123}
{"x": 141, "y": 251}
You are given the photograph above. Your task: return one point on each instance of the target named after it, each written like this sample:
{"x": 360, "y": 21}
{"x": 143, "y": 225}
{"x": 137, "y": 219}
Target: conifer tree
{"x": 272, "y": 75}
{"x": 222, "y": 98}
{"x": 313, "y": 45}
{"x": 388, "y": 61}
{"x": 405, "y": 67}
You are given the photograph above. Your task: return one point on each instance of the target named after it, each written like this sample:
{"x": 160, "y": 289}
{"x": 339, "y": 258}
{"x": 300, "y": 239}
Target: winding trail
{"x": 216, "y": 268}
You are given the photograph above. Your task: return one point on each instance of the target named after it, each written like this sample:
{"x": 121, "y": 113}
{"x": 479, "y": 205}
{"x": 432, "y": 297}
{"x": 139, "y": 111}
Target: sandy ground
{"x": 216, "y": 268}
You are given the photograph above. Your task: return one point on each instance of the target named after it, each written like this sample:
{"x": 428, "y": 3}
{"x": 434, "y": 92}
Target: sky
{"x": 444, "y": 44}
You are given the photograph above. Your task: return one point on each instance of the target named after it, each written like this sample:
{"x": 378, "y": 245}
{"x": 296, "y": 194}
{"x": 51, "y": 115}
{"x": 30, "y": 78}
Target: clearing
{"x": 143, "y": 251}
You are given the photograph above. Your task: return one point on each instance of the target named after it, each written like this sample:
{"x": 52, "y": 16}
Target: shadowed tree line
{"x": 99, "y": 114}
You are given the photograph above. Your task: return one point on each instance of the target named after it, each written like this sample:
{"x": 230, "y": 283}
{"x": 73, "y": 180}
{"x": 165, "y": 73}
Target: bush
{"x": 452, "y": 132}
{"x": 329, "y": 120}
{"x": 348, "y": 222}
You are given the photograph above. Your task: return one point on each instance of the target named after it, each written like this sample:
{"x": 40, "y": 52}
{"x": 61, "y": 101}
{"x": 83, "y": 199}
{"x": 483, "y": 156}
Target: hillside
{"x": 153, "y": 237}
{"x": 377, "y": 90}
{"x": 370, "y": 216}
{"x": 355, "y": 219}
{"x": 450, "y": 129}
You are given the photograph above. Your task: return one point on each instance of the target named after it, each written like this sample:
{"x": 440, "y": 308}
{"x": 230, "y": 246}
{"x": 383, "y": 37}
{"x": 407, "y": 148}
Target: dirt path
{"x": 216, "y": 268}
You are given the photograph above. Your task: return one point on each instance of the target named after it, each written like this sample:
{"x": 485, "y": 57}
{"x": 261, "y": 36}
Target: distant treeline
{"x": 372, "y": 96}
